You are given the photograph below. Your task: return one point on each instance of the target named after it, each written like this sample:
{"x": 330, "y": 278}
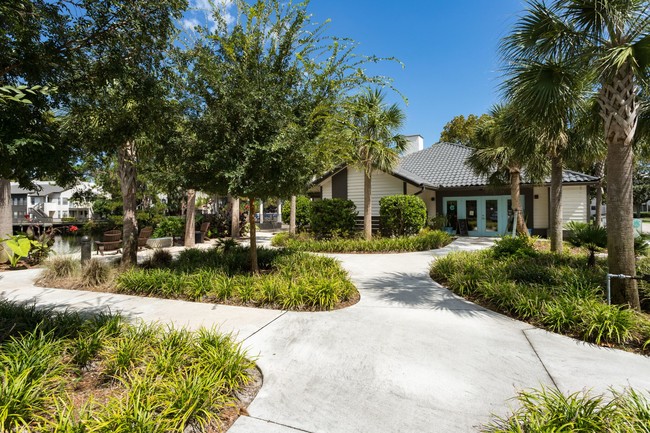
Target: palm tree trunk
{"x": 600, "y": 173}
{"x": 126, "y": 160}
{"x": 6, "y": 215}
{"x": 6, "y": 219}
{"x": 234, "y": 217}
{"x": 189, "y": 218}
{"x": 556, "y": 204}
{"x": 619, "y": 109}
{"x": 292, "y": 216}
{"x": 367, "y": 204}
{"x": 515, "y": 198}
{"x": 251, "y": 221}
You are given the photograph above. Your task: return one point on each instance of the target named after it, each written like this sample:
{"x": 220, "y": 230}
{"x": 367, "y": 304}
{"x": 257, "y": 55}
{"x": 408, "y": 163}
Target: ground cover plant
{"x": 425, "y": 240}
{"x": 65, "y": 372}
{"x": 288, "y": 279}
{"x": 559, "y": 292}
{"x": 548, "y": 410}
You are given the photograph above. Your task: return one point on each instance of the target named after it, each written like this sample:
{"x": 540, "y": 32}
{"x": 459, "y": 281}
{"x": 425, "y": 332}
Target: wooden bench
{"x": 111, "y": 241}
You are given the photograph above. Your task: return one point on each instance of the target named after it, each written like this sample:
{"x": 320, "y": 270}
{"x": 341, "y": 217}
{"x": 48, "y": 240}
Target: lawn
{"x": 558, "y": 292}
{"x": 64, "y": 372}
{"x": 287, "y": 280}
{"x": 425, "y": 240}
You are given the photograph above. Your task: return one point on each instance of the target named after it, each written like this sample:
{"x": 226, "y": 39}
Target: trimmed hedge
{"x": 426, "y": 240}
{"x": 402, "y": 215}
{"x": 333, "y": 218}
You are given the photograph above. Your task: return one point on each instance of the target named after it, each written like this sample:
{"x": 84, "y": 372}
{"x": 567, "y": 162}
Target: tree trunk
{"x": 292, "y": 216}
{"x": 619, "y": 109}
{"x": 6, "y": 215}
{"x": 600, "y": 173}
{"x": 367, "y": 204}
{"x": 126, "y": 159}
{"x": 556, "y": 204}
{"x": 190, "y": 218}
{"x": 515, "y": 198}
{"x": 251, "y": 221}
{"x": 234, "y": 217}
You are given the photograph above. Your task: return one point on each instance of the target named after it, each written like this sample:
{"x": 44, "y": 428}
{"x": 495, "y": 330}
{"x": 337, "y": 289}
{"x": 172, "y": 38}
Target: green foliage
{"x": 291, "y": 280}
{"x": 170, "y": 226}
{"x": 402, "y": 215}
{"x": 303, "y": 212}
{"x": 520, "y": 245}
{"x": 95, "y": 273}
{"x": 554, "y": 291}
{"x": 333, "y": 217}
{"x": 438, "y": 222}
{"x": 20, "y": 247}
{"x": 641, "y": 246}
{"x": 461, "y": 130}
{"x": 167, "y": 379}
{"x": 549, "y": 410}
{"x": 60, "y": 267}
{"x": 590, "y": 236}
{"x": 425, "y": 240}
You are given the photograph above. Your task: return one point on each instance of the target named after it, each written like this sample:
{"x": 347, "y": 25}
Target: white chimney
{"x": 415, "y": 144}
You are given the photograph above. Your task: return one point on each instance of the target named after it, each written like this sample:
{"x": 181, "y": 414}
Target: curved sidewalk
{"x": 409, "y": 357}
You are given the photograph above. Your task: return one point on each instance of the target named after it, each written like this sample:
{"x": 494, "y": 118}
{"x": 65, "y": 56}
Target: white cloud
{"x": 189, "y": 23}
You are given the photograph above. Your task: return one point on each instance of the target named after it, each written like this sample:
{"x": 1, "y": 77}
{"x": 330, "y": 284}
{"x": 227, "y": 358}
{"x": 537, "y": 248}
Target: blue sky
{"x": 448, "y": 47}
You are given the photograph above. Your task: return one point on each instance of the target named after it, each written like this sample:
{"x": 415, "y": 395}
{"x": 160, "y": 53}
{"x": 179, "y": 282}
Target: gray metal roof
{"x": 41, "y": 190}
{"x": 443, "y": 166}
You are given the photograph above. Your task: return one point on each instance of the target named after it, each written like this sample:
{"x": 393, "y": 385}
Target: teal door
{"x": 485, "y": 216}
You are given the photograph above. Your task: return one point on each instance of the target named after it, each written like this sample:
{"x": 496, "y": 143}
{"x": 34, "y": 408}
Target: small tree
{"x": 590, "y": 236}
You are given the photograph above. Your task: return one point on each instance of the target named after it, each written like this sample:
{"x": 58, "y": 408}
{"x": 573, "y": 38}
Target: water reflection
{"x": 68, "y": 244}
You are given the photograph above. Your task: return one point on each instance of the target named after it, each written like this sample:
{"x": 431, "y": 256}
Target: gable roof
{"x": 443, "y": 166}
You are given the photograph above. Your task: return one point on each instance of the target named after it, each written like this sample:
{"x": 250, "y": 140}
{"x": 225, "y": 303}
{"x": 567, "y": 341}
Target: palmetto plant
{"x": 590, "y": 236}
{"x": 609, "y": 42}
{"x": 371, "y": 126}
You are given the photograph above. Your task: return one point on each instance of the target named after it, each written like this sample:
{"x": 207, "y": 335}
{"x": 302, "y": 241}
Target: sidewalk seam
{"x": 538, "y": 357}
{"x": 265, "y": 325}
{"x": 280, "y": 424}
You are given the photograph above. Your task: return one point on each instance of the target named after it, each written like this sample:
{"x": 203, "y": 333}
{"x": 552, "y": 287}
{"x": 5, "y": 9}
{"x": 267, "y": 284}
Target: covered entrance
{"x": 485, "y": 215}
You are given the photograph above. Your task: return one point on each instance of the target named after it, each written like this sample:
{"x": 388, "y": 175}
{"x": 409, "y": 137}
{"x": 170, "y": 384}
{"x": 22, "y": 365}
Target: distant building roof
{"x": 43, "y": 188}
{"x": 443, "y": 165}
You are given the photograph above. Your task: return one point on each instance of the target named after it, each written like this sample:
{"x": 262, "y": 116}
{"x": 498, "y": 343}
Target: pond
{"x": 68, "y": 244}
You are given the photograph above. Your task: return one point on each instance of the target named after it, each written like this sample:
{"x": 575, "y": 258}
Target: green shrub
{"x": 170, "y": 226}
{"x": 402, "y": 215}
{"x": 333, "y": 217}
{"x": 520, "y": 245}
{"x": 604, "y": 323}
{"x": 590, "y": 236}
{"x": 426, "y": 240}
{"x": 549, "y": 410}
{"x": 303, "y": 212}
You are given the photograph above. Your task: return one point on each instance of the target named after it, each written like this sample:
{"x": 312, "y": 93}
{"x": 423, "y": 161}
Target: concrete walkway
{"x": 409, "y": 357}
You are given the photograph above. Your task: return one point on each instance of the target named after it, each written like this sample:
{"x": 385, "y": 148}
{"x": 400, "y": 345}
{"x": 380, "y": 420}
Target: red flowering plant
{"x": 73, "y": 229}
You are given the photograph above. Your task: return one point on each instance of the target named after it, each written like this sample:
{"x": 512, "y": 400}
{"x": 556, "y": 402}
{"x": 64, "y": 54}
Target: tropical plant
{"x": 371, "y": 126}
{"x": 606, "y": 42}
{"x": 590, "y": 236}
{"x": 498, "y": 154}
{"x": 20, "y": 247}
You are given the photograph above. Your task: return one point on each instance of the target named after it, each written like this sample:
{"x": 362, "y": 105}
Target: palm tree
{"x": 609, "y": 39}
{"x": 370, "y": 125}
{"x": 497, "y": 154}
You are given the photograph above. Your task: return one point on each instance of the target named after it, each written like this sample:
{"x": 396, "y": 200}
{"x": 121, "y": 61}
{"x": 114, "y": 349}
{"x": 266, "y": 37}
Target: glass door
{"x": 491, "y": 216}
{"x": 471, "y": 214}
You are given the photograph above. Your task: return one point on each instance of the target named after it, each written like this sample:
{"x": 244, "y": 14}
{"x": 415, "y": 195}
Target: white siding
{"x": 327, "y": 188}
{"x": 540, "y": 207}
{"x": 574, "y": 203}
{"x": 382, "y": 185}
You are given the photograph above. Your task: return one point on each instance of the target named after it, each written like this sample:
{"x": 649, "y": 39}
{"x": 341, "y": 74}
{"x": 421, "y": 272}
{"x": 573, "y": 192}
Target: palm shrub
{"x": 402, "y": 215}
{"x": 303, "y": 212}
{"x": 590, "y": 236}
{"x": 333, "y": 218}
